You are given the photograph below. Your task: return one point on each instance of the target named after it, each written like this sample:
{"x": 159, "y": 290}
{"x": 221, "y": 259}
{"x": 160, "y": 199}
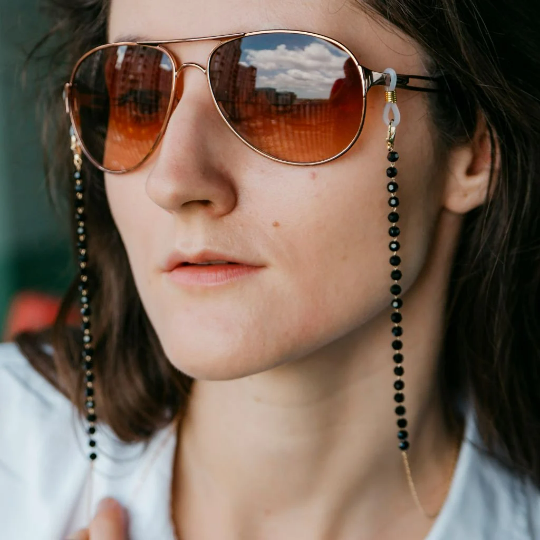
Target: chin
{"x": 207, "y": 364}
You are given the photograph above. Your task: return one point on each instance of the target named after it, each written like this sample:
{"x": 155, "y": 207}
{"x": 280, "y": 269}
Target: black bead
{"x": 394, "y": 246}
{"x": 395, "y": 289}
{"x": 394, "y": 231}
{"x": 399, "y": 397}
{"x": 398, "y": 358}
{"x": 402, "y": 423}
{"x": 393, "y": 217}
{"x": 90, "y": 404}
{"x": 81, "y": 245}
{"x": 400, "y": 410}
{"x": 395, "y": 260}
{"x": 397, "y": 303}
{"x": 85, "y": 326}
{"x": 404, "y": 445}
{"x": 396, "y": 317}
{"x": 79, "y": 203}
{"x": 91, "y": 430}
{"x": 89, "y": 378}
{"x": 399, "y": 385}
{"x": 80, "y": 216}
{"x": 397, "y": 331}
{"x": 88, "y": 365}
{"x": 393, "y": 156}
{"x": 396, "y": 275}
{"x": 397, "y": 345}
{"x": 89, "y": 392}
{"x": 92, "y": 456}
{"x": 83, "y": 258}
{"x": 91, "y": 417}
{"x": 392, "y": 187}
{"x": 399, "y": 371}
{"x": 79, "y": 188}
{"x": 393, "y": 201}
{"x": 87, "y": 351}
{"x": 86, "y": 311}
{"x": 402, "y": 435}
{"x": 391, "y": 172}
{"x": 91, "y": 443}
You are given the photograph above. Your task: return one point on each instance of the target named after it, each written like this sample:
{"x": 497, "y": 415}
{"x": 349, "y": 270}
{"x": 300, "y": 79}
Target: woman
{"x": 263, "y": 400}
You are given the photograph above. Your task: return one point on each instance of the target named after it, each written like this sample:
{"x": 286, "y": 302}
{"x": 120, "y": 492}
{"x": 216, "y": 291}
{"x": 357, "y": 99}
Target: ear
{"x": 469, "y": 170}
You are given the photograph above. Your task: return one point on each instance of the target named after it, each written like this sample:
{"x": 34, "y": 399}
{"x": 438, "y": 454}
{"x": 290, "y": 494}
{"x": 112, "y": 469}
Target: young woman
{"x": 359, "y": 357}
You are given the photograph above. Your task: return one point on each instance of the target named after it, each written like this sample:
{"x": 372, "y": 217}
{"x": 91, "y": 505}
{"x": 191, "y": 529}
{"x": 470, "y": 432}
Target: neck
{"x": 309, "y": 450}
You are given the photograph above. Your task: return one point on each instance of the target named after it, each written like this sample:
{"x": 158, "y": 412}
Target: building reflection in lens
{"x": 139, "y": 83}
{"x": 311, "y": 113}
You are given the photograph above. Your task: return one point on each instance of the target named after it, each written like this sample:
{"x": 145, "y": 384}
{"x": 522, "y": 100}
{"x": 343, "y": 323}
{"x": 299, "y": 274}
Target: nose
{"x": 192, "y": 165}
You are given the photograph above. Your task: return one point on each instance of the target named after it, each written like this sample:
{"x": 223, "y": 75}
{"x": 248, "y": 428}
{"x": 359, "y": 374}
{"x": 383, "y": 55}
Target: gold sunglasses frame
{"x": 369, "y": 78}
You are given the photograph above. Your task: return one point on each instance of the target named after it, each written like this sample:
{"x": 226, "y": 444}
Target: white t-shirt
{"x": 44, "y": 470}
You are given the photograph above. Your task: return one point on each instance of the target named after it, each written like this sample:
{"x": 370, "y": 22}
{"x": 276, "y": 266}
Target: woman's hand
{"x": 109, "y": 523}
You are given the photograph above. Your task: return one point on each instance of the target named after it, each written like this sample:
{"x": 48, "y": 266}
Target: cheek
{"x": 133, "y": 212}
{"x": 337, "y": 239}
{"x": 323, "y": 233}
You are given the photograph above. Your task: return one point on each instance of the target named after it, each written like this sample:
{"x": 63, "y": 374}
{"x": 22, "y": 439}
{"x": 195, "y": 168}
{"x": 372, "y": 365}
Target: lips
{"x": 197, "y": 277}
{"x": 216, "y": 263}
{"x": 177, "y": 259}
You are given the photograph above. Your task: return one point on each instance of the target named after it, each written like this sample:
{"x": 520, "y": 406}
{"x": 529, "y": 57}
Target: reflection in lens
{"x": 120, "y": 100}
{"x": 295, "y": 97}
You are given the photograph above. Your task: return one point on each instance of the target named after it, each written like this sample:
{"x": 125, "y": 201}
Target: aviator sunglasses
{"x": 295, "y": 97}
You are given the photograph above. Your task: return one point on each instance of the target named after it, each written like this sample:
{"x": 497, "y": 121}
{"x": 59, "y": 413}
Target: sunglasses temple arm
{"x": 381, "y": 79}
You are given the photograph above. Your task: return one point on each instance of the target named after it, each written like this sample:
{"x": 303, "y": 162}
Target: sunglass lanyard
{"x": 395, "y": 289}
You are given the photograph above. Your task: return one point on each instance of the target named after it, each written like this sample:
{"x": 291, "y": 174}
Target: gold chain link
{"x": 412, "y": 487}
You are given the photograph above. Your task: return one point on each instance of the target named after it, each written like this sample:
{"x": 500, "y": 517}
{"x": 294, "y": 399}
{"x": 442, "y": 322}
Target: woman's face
{"x": 319, "y": 232}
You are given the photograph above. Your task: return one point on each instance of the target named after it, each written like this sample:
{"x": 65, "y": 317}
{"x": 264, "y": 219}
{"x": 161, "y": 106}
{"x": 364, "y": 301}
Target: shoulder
{"x": 44, "y": 467}
{"x": 507, "y": 500}
{"x": 39, "y": 445}
{"x": 487, "y": 501}
{"x": 22, "y": 388}
{"x": 34, "y": 415}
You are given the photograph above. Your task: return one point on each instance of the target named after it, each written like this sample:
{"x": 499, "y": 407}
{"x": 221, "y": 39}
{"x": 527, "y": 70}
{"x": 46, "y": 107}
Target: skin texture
{"x": 293, "y": 366}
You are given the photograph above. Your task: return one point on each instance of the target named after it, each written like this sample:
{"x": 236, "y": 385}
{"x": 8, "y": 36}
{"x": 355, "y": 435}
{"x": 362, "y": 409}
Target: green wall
{"x": 34, "y": 251}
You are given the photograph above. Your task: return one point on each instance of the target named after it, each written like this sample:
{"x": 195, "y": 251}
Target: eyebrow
{"x": 131, "y": 38}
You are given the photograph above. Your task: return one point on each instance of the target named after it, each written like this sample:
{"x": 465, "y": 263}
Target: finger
{"x": 83, "y": 534}
{"x": 110, "y": 522}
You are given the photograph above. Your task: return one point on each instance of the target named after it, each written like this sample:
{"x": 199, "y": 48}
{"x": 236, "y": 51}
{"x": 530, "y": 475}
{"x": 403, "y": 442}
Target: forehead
{"x": 375, "y": 46}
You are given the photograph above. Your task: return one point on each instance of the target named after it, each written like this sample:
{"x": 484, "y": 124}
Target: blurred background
{"x": 35, "y": 260}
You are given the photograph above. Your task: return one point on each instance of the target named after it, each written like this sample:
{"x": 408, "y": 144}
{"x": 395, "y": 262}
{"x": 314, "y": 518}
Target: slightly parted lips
{"x": 178, "y": 258}
{"x": 205, "y": 264}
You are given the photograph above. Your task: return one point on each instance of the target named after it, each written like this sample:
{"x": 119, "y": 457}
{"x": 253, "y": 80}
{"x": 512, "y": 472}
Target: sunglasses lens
{"x": 120, "y": 98}
{"x": 294, "y": 97}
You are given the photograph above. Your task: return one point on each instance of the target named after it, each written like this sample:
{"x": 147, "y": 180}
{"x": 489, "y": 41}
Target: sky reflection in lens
{"x": 295, "y": 97}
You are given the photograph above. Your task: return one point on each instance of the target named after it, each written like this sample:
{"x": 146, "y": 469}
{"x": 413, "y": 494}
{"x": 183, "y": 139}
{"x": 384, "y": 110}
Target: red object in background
{"x": 32, "y": 310}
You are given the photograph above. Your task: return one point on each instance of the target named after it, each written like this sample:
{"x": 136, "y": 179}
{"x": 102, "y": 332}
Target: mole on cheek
{"x": 276, "y": 224}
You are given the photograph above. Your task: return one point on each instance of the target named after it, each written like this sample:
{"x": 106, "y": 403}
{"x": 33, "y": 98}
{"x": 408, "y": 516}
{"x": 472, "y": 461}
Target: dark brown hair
{"x": 488, "y": 54}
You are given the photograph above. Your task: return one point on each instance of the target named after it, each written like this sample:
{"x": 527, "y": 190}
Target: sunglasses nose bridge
{"x": 191, "y": 64}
